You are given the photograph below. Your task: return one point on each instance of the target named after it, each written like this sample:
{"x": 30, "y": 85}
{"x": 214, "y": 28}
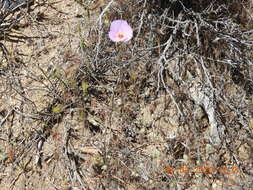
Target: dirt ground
{"x": 62, "y": 133}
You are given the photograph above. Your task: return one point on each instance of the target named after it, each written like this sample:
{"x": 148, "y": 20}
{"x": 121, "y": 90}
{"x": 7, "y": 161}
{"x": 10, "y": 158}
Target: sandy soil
{"x": 122, "y": 141}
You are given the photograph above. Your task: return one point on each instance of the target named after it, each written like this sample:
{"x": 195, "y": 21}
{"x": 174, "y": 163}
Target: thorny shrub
{"x": 176, "y": 42}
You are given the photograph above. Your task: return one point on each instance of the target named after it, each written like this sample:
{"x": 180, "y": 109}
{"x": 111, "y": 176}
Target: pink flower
{"x": 120, "y": 31}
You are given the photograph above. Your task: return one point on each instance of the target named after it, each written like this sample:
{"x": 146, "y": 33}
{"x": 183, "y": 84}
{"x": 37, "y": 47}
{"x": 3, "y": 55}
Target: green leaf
{"x": 82, "y": 115}
{"x": 57, "y": 73}
{"x": 58, "y": 108}
{"x": 84, "y": 87}
{"x": 72, "y": 82}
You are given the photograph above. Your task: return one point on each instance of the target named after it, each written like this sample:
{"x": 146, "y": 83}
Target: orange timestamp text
{"x": 202, "y": 170}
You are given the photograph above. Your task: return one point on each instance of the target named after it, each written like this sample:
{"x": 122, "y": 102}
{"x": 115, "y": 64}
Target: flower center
{"x": 120, "y": 35}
